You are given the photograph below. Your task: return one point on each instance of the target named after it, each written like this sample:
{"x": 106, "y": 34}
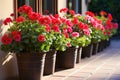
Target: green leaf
{"x": 47, "y": 47}
{"x": 42, "y": 47}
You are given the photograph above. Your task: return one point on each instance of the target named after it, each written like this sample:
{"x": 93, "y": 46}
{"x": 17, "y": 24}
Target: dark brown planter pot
{"x": 100, "y": 46}
{"x": 30, "y": 65}
{"x": 95, "y": 48}
{"x": 50, "y": 60}
{"x": 79, "y": 54}
{"x": 67, "y": 59}
{"x": 87, "y": 51}
{"x": 108, "y": 42}
{"x": 104, "y": 44}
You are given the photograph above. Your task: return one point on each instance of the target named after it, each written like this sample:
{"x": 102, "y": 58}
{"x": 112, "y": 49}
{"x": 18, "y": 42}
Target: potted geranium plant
{"x": 32, "y": 36}
{"x": 77, "y": 36}
{"x": 60, "y": 41}
{"x": 97, "y": 29}
{"x": 109, "y": 26}
{"x": 30, "y": 40}
{"x": 80, "y": 26}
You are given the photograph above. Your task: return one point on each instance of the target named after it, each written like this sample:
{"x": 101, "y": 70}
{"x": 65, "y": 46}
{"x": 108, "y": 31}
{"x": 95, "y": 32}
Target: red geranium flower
{"x": 12, "y": 14}
{"x": 65, "y": 30}
{"x": 69, "y": 23}
{"x": 55, "y": 28}
{"x": 64, "y": 10}
{"x": 25, "y": 9}
{"x": 110, "y": 17}
{"x": 81, "y": 25}
{"x": 56, "y": 21}
{"x": 7, "y": 20}
{"x": 56, "y": 15}
{"x": 90, "y": 13}
{"x": 109, "y": 33}
{"x": 16, "y": 36}
{"x": 68, "y": 44}
{"x": 34, "y": 16}
{"x": 47, "y": 28}
{"x": 44, "y": 20}
{"x": 115, "y": 25}
{"x": 103, "y": 13}
{"x": 6, "y": 39}
{"x": 72, "y": 12}
{"x": 41, "y": 38}
{"x": 20, "y": 19}
{"x": 66, "y": 34}
{"x": 104, "y": 33}
{"x": 75, "y": 20}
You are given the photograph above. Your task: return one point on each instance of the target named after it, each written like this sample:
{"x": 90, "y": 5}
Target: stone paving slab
{"x": 103, "y": 66}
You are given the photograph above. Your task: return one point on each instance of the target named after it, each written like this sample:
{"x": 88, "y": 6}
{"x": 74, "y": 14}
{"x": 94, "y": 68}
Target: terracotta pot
{"x": 67, "y": 59}
{"x": 50, "y": 60}
{"x": 30, "y": 65}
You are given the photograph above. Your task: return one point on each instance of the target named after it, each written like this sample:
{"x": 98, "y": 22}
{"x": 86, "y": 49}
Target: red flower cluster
{"x": 41, "y": 38}
{"x": 44, "y": 20}
{"x": 20, "y": 19}
{"x": 115, "y": 25}
{"x": 67, "y": 30}
{"x": 72, "y": 12}
{"x": 7, "y": 20}
{"x": 75, "y": 21}
{"x": 103, "y": 13}
{"x": 110, "y": 17}
{"x": 84, "y": 27}
{"x": 48, "y": 28}
{"x": 25, "y": 9}
{"x": 6, "y": 39}
{"x": 64, "y": 10}
{"x": 16, "y": 36}
{"x": 12, "y": 14}
{"x": 55, "y": 28}
{"x": 90, "y": 13}
{"x": 34, "y": 16}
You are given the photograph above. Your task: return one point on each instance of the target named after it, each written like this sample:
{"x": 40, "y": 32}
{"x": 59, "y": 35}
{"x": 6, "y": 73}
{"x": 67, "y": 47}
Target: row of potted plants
{"x": 36, "y": 34}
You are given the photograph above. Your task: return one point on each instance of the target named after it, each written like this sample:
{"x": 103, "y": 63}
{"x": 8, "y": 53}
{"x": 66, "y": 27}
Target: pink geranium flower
{"x": 75, "y": 34}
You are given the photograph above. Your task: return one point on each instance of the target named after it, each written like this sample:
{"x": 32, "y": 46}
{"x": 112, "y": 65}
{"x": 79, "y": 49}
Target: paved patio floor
{"x": 103, "y": 66}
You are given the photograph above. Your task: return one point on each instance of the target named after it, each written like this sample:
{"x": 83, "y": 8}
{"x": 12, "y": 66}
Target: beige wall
{"x": 84, "y": 7}
{"x": 9, "y": 69}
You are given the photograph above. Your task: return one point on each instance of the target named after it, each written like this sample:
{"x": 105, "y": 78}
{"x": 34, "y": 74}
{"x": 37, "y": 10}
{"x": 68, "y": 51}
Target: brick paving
{"x": 103, "y": 66}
